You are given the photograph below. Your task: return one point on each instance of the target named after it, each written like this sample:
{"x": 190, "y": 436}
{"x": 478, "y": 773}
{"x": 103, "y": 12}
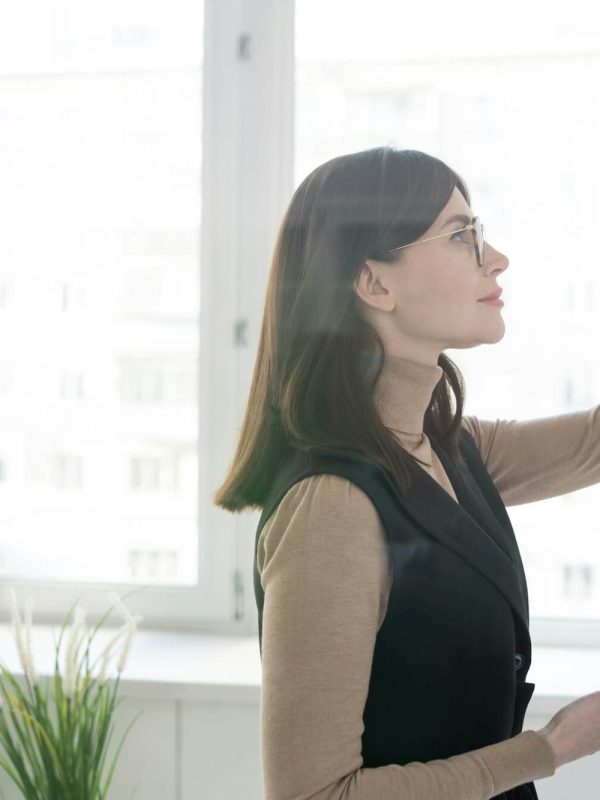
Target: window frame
{"x": 247, "y": 154}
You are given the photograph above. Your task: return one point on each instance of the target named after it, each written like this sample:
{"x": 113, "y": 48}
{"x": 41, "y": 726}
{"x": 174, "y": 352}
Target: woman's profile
{"x": 392, "y": 599}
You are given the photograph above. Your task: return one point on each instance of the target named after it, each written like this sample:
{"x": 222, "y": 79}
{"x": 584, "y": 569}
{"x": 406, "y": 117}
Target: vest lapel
{"x": 471, "y": 496}
{"x": 429, "y": 506}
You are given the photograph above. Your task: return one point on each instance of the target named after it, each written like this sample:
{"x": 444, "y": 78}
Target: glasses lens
{"x": 479, "y": 240}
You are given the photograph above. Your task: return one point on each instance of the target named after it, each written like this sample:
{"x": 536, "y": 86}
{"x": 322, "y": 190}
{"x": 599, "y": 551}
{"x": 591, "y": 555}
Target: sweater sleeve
{"x": 326, "y": 576}
{"x": 534, "y": 459}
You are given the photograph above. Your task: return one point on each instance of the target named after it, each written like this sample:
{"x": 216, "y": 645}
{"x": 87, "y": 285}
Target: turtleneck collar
{"x": 403, "y": 393}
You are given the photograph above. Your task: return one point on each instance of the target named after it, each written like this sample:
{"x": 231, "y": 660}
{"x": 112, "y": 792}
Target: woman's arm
{"x": 326, "y": 577}
{"x": 535, "y": 459}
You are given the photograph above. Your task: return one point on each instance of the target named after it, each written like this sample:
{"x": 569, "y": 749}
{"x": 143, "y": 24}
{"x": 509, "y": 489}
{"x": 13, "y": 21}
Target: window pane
{"x": 508, "y": 107}
{"x": 100, "y": 118}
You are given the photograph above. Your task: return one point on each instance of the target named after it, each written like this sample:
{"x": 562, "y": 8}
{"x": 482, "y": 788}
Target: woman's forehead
{"x": 456, "y": 205}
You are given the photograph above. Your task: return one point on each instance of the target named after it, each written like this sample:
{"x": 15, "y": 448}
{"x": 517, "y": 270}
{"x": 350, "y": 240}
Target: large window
{"x": 101, "y": 129}
{"x": 146, "y": 160}
{"x": 148, "y": 152}
{"x": 506, "y": 98}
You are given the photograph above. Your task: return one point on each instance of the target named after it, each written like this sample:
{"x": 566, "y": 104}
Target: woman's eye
{"x": 459, "y": 233}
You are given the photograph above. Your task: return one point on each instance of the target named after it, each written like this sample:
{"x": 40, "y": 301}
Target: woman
{"x": 393, "y": 608}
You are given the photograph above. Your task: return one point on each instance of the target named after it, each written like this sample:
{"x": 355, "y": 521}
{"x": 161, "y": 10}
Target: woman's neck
{"x": 403, "y": 393}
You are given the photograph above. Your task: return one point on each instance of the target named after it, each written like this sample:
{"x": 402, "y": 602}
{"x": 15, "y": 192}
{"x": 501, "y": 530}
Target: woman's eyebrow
{"x": 458, "y": 218}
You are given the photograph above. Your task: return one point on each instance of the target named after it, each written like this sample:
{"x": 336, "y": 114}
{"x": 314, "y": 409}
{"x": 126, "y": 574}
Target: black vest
{"x": 451, "y": 657}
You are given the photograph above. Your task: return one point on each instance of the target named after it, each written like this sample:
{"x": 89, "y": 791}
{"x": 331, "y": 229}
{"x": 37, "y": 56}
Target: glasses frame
{"x": 471, "y": 227}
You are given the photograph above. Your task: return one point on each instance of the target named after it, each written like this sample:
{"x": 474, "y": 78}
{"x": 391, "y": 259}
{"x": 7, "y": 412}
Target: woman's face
{"x": 429, "y": 298}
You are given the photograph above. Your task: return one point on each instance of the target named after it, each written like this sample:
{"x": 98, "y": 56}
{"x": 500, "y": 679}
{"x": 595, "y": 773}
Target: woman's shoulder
{"x": 328, "y": 513}
{"x": 480, "y": 430}
{"x": 470, "y": 424}
{"x": 325, "y": 495}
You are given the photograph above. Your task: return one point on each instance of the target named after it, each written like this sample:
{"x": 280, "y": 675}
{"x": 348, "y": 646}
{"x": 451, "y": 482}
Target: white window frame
{"x": 247, "y": 166}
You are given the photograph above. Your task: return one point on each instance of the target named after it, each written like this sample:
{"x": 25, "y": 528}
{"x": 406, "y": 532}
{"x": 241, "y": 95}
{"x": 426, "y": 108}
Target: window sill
{"x": 169, "y": 665}
{"x": 215, "y": 668}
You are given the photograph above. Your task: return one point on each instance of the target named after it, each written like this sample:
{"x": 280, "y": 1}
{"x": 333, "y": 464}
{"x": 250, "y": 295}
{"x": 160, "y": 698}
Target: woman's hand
{"x": 574, "y": 731}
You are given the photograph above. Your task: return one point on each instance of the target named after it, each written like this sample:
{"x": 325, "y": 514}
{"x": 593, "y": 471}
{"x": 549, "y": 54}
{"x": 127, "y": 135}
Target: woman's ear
{"x": 369, "y": 288}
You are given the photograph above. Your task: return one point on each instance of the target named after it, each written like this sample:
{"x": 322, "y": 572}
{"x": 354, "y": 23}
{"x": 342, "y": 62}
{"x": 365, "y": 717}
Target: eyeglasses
{"x": 478, "y": 239}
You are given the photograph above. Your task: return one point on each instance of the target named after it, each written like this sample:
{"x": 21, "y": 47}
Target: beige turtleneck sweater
{"x": 326, "y": 595}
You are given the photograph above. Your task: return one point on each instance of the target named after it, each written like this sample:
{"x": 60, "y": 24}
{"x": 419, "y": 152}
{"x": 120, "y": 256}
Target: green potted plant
{"x": 54, "y": 734}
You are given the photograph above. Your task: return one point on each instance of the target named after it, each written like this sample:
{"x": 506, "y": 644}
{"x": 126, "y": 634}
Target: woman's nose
{"x": 494, "y": 258}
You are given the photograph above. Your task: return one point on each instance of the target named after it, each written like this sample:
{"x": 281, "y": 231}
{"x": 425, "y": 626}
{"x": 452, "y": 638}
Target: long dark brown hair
{"x": 318, "y": 359}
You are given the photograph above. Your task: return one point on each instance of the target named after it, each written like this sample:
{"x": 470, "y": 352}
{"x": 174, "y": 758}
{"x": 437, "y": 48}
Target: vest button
{"x": 518, "y": 661}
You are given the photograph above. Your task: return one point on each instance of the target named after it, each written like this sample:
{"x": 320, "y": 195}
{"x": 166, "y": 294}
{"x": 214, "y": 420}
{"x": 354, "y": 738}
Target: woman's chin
{"x": 498, "y": 335}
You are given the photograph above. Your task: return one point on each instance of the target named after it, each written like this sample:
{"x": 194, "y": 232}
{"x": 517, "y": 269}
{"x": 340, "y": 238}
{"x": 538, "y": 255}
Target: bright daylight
{"x": 299, "y": 400}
